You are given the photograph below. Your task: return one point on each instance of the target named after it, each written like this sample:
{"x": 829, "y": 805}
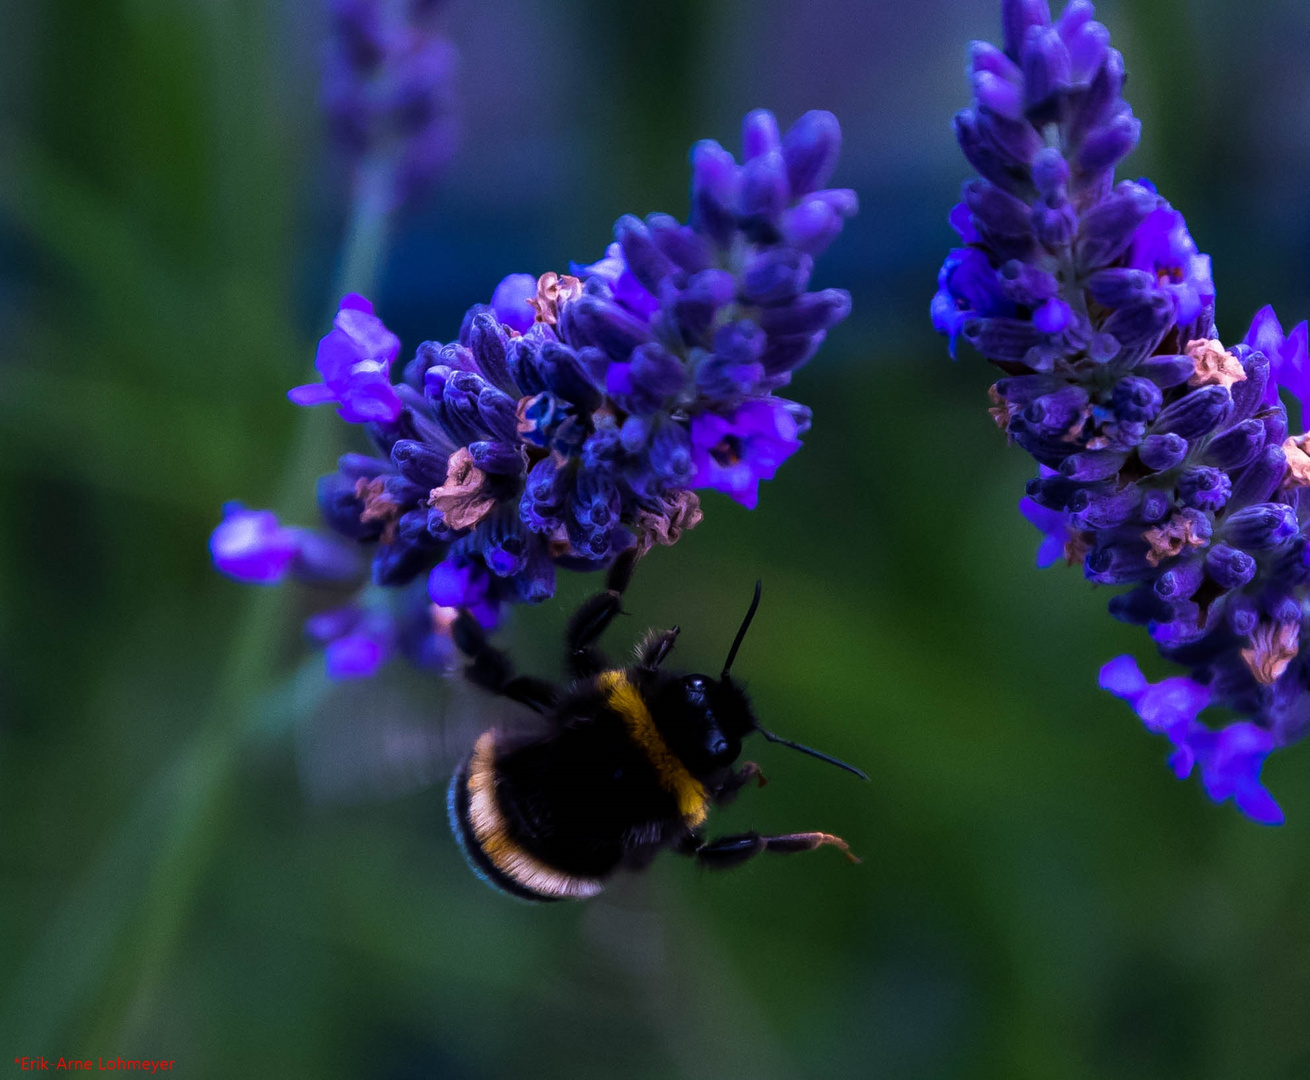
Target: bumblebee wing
{"x": 383, "y": 738}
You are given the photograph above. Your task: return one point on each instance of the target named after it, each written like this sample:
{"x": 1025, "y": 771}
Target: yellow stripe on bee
{"x": 624, "y": 699}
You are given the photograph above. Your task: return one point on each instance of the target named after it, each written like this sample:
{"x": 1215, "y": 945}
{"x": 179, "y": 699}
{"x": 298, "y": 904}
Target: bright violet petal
{"x": 311, "y": 394}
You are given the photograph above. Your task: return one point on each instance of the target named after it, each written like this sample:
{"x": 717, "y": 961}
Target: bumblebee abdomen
{"x": 488, "y": 842}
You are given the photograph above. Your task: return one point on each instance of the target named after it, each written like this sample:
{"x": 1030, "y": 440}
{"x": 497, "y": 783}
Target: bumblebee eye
{"x": 696, "y": 684}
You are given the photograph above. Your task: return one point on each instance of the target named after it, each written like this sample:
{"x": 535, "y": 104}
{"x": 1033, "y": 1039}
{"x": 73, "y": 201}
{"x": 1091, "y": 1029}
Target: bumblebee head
{"x": 720, "y": 717}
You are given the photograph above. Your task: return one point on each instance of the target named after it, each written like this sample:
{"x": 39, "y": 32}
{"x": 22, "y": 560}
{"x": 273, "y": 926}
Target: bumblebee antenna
{"x": 741, "y": 633}
{"x": 813, "y": 753}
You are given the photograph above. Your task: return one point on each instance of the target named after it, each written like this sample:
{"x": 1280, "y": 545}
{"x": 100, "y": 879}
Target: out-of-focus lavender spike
{"x": 388, "y": 88}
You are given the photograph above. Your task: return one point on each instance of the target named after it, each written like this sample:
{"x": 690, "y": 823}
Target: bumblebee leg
{"x": 490, "y": 668}
{"x": 656, "y": 648}
{"x": 732, "y": 786}
{"x": 593, "y": 618}
{"x": 728, "y": 851}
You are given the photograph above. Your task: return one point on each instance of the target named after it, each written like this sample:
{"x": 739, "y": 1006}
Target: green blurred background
{"x": 1039, "y": 897}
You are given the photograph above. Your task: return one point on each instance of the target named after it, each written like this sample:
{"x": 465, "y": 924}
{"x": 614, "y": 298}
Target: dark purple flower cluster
{"x": 574, "y": 415}
{"x": 388, "y": 87}
{"x": 1165, "y": 459}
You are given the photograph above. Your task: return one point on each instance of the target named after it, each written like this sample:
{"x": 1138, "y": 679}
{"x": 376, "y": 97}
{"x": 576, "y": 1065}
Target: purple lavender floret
{"x": 575, "y": 416}
{"x": 354, "y": 362}
{"x": 388, "y": 88}
{"x": 1165, "y": 463}
{"x": 253, "y": 547}
{"x": 381, "y": 625}
{"x": 1230, "y": 759}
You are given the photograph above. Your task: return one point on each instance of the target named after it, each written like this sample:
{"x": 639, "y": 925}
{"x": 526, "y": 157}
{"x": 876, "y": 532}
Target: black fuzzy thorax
{"x": 586, "y": 799}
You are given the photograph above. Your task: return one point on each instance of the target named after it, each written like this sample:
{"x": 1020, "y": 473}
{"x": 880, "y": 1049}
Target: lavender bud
{"x": 1053, "y": 492}
{"x": 1180, "y": 581}
{"x": 504, "y": 542}
{"x": 1017, "y": 16}
{"x": 1106, "y": 146}
{"x": 409, "y": 554}
{"x": 1048, "y": 451}
{"x": 1015, "y": 140}
{"x": 565, "y": 376}
{"x": 1092, "y": 465}
{"x": 503, "y": 459}
{"x": 999, "y": 214}
{"x": 498, "y": 412}
{"x": 1139, "y": 328}
{"x": 648, "y": 263}
{"x": 984, "y": 56}
{"x": 1230, "y": 568}
{"x": 488, "y": 343}
{"x": 776, "y": 275}
{"x": 786, "y": 354}
{"x": 524, "y": 366}
{"x": 810, "y": 149}
{"x": 983, "y": 157}
{"x": 1056, "y": 413}
{"x": 1005, "y": 340}
{"x": 1088, "y": 41}
{"x": 419, "y": 463}
{"x": 1160, "y": 453}
{"x": 1249, "y": 394}
{"x": 1275, "y": 425}
{"x": 1196, "y": 414}
{"x": 1283, "y": 609}
{"x": 680, "y": 243}
{"x": 764, "y": 193}
{"x": 807, "y": 314}
{"x": 715, "y": 181}
{"x": 656, "y": 373}
{"x": 1243, "y": 616}
{"x": 341, "y": 509}
{"x": 1261, "y": 527}
{"x": 1118, "y": 564}
{"x": 1051, "y": 174}
{"x": 1055, "y": 226}
{"x": 759, "y": 134}
{"x": 1204, "y": 488}
{"x": 1120, "y": 287}
{"x": 1045, "y": 71}
{"x": 1136, "y": 401}
{"x": 1259, "y": 480}
{"x": 1167, "y": 371}
{"x": 810, "y": 226}
{"x": 355, "y": 466}
{"x": 1235, "y": 447}
{"x": 1104, "y": 510}
{"x": 1156, "y": 505}
{"x": 1107, "y": 229}
{"x": 1100, "y": 99}
{"x": 542, "y": 507}
{"x": 998, "y": 94}
{"x": 1024, "y": 389}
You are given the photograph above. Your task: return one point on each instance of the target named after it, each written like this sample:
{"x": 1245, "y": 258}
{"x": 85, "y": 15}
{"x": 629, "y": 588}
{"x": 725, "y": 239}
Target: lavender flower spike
{"x": 388, "y": 88}
{"x": 577, "y": 415}
{"x": 1164, "y": 456}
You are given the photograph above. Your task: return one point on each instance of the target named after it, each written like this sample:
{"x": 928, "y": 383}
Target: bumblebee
{"x": 626, "y": 762}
